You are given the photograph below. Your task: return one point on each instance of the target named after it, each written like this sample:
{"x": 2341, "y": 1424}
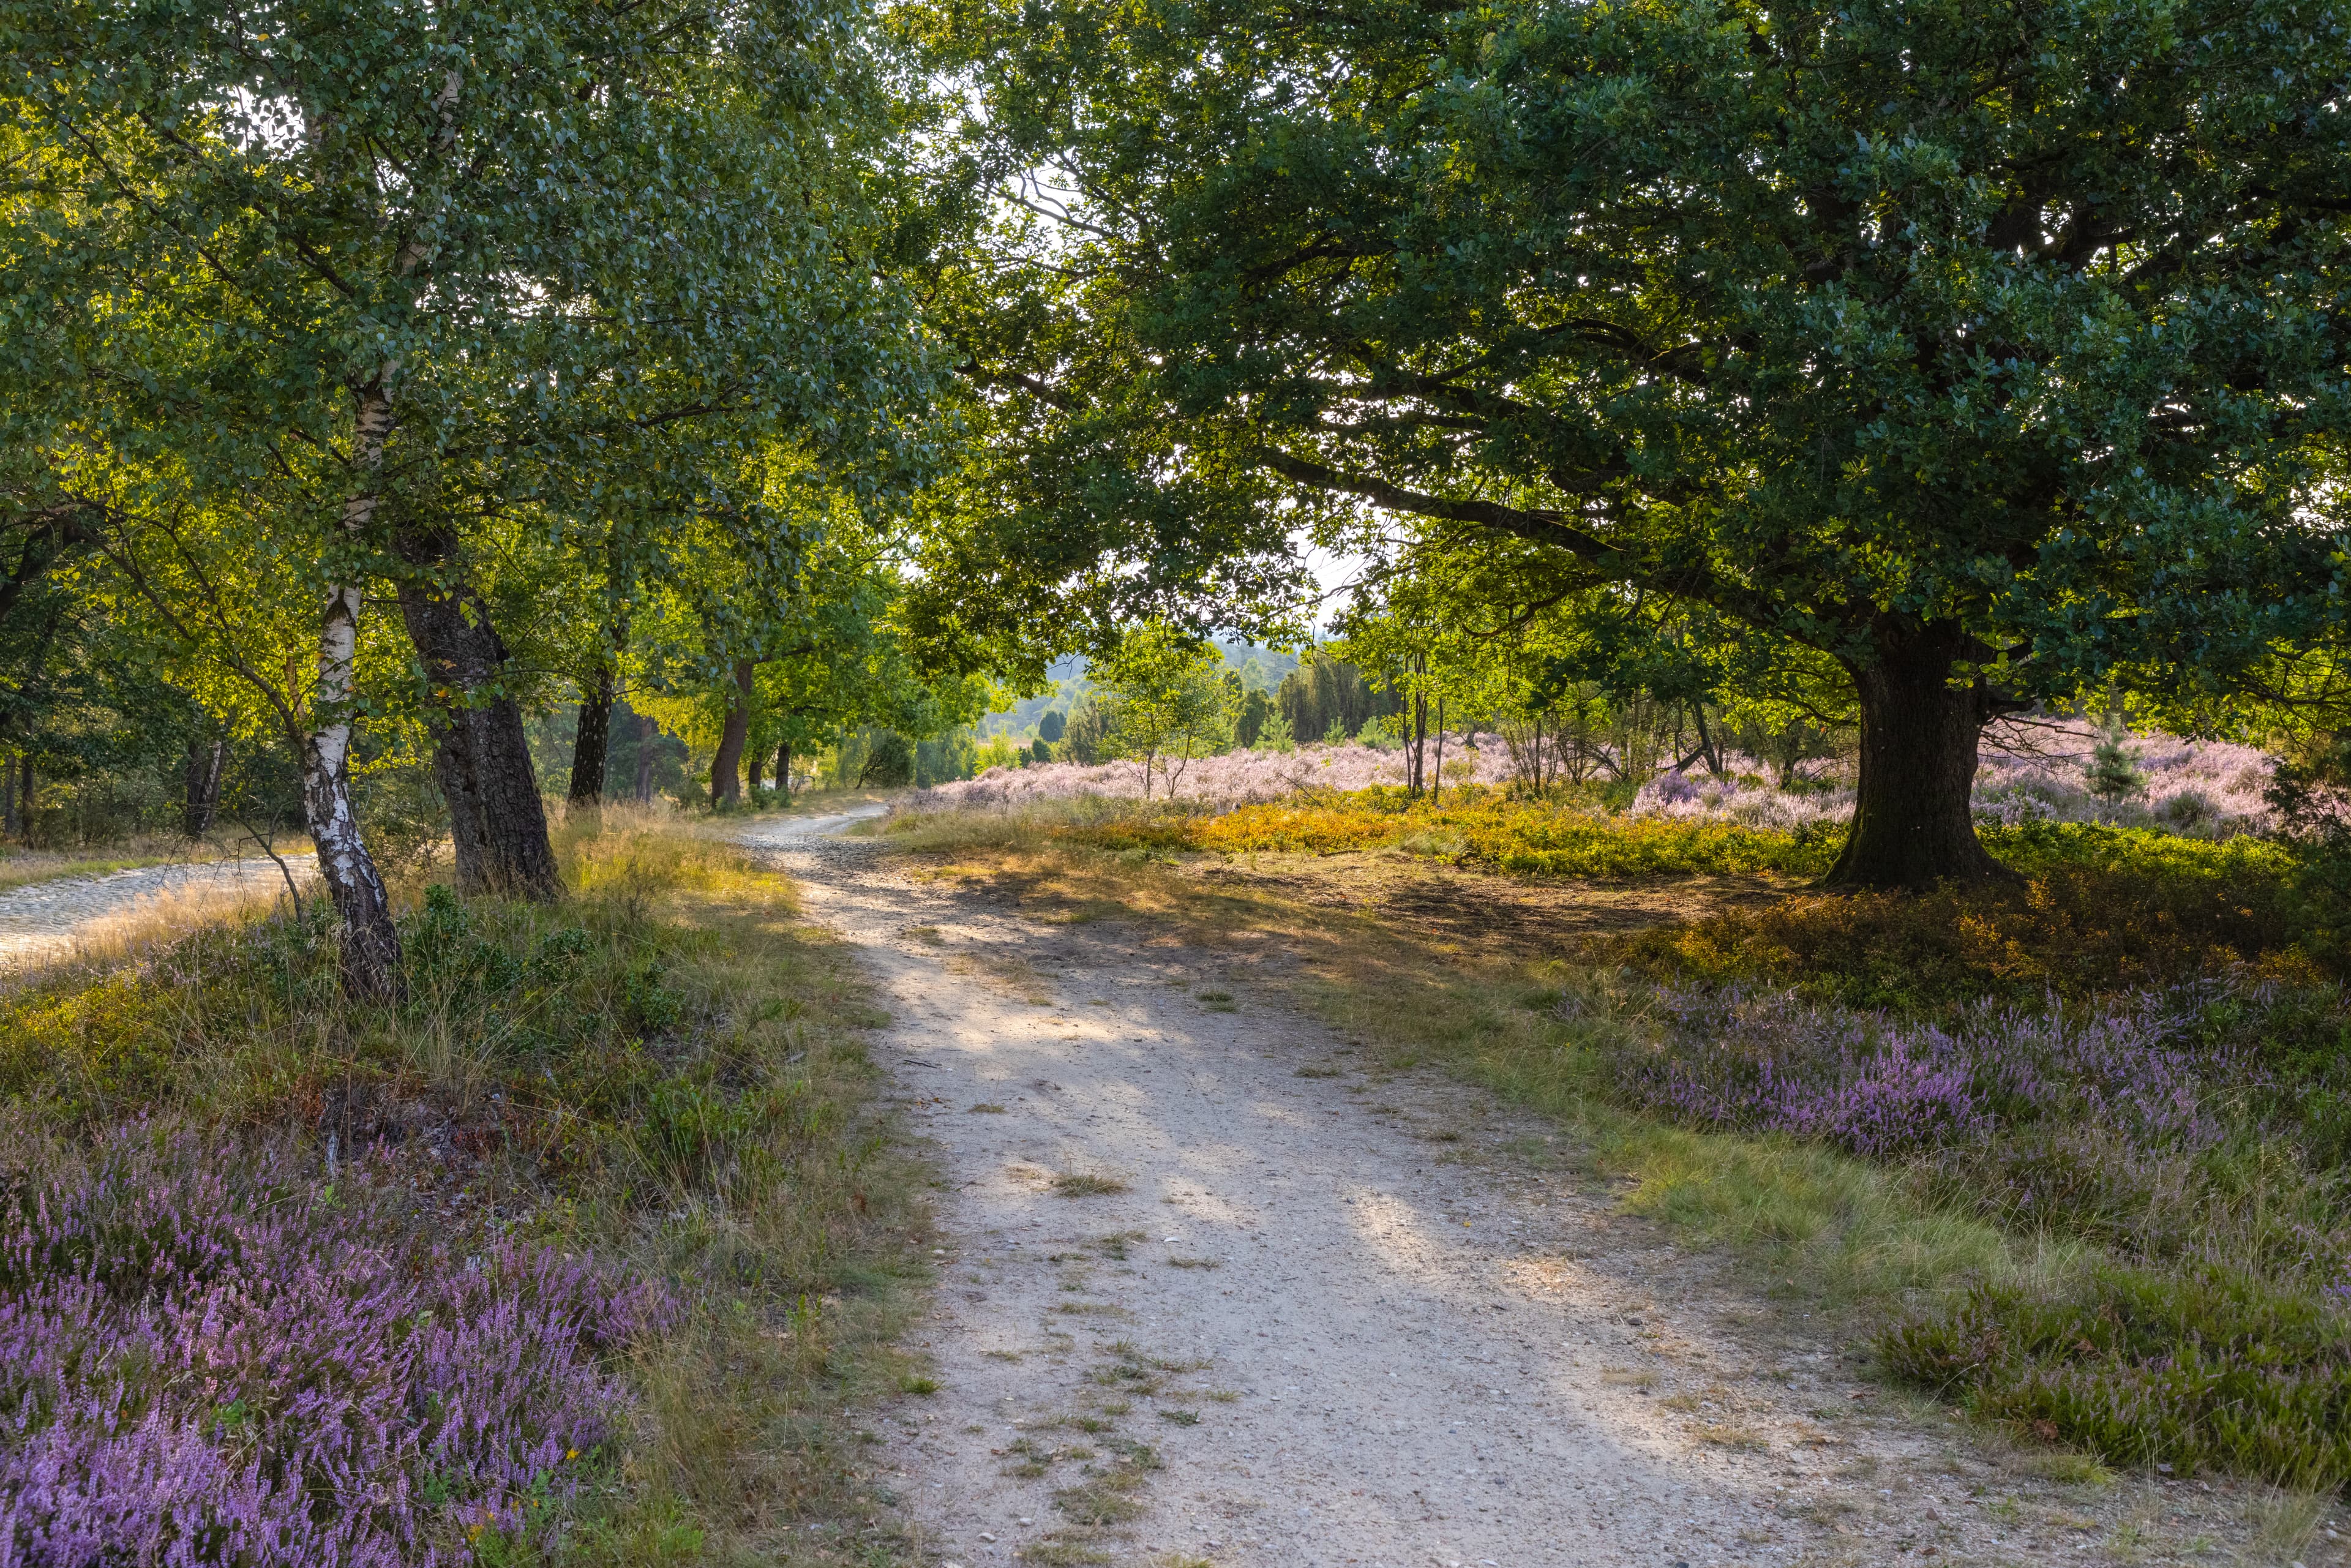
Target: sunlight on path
{"x": 1216, "y": 1287}
{"x": 45, "y": 920}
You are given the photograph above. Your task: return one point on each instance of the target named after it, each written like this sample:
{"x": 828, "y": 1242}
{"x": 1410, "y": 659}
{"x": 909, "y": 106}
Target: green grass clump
{"x": 2203, "y": 1368}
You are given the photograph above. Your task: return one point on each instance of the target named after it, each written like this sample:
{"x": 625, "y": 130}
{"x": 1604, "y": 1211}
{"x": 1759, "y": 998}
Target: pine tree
{"x": 2113, "y": 773}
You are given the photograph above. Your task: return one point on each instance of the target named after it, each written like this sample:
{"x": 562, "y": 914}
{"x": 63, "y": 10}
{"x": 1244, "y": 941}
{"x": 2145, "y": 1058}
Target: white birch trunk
{"x": 370, "y": 944}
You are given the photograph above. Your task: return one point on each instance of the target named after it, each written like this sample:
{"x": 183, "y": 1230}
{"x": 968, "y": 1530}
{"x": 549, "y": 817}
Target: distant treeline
{"x": 1324, "y": 692}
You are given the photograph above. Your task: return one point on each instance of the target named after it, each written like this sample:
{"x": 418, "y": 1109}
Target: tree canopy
{"x": 1987, "y": 352}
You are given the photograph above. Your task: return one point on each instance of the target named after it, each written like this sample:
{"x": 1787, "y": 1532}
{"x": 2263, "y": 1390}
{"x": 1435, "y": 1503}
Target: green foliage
{"x": 1868, "y": 394}
{"x": 1249, "y": 721}
{"x": 537, "y": 309}
{"x": 2205, "y": 1368}
{"x": 1050, "y": 727}
{"x": 1718, "y": 428}
{"x": 1328, "y": 698}
{"x": 1168, "y": 700}
{"x": 1087, "y": 739}
{"x": 2113, "y": 773}
{"x": 889, "y": 764}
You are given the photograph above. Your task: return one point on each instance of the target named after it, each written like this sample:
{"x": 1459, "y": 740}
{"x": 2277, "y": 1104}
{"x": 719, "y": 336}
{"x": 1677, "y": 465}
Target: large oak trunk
{"x": 481, "y": 756}
{"x": 726, "y": 768}
{"x": 1913, "y": 825}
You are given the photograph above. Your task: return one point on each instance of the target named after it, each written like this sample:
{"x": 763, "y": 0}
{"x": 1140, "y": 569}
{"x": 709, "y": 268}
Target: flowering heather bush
{"x": 2194, "y": 1133}
{"x": 2027, "y": 773}
{"x": 1234, "y": 778}
{"x": 206, "y": 1360}
{"x": 2036, "y": 773}
{"x": 1766, "y": 1061}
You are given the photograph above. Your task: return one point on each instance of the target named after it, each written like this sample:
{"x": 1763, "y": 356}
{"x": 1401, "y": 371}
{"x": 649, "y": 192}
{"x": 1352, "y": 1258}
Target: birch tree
{"x": 436, "y": 266}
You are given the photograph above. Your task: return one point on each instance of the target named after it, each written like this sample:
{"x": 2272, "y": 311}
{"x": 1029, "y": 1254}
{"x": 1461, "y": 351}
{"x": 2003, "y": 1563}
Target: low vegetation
{"x": 2069, "y": 1148}
{"x": 564, "y": 1258}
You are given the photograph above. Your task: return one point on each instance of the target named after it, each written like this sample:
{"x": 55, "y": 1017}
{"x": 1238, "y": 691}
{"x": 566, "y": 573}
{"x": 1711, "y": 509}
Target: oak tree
{"x": 1982, "y": 350}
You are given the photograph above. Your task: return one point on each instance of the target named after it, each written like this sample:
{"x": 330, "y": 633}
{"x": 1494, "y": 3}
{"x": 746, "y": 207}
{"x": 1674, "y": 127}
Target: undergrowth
{"x": 1504, "y": 831}
{"x": 663, "y": 1074}
{"x": 2094, "y": 909}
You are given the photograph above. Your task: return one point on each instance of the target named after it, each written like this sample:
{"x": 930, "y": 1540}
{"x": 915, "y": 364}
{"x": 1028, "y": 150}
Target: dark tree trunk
{"x": 595, "y": 736}
{"x": 725, "y": 774}
{"x": 784, "y": 771}
{"x": 647, "y": 733}
{"x": 1706, "y": 746}
{"x": 1419, "y": 742}
{"x": 481, "y": 756}
{"x": 1913, "y": 825}
{"x": 753, "y": 762}
{"x": 203, "y": 798}
{"x": 1436, "y": 779}
{"x": 25, "y": 812}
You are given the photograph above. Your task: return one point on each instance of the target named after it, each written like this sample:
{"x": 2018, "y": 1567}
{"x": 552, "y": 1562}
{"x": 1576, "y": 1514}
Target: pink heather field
{"x": 2030, "y": 770}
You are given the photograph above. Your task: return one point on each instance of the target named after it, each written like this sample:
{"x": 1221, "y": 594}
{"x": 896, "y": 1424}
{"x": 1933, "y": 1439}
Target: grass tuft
{"x": 1086, "y": 1184}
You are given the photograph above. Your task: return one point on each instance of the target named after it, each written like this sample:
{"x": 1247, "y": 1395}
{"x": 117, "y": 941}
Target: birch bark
{"x": 370, "y": 944}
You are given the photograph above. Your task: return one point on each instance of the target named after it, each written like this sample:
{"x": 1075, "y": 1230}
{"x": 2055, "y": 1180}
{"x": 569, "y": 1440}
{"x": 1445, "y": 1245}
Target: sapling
{"x": 2113, "y": 772}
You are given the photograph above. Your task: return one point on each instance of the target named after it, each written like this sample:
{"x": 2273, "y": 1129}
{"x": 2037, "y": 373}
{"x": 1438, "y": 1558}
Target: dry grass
{"x": 1086, "y": 1184}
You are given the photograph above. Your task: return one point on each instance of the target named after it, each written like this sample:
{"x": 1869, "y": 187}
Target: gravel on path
{"x": 1216, "y": 1290}
{"x": 46, "y": 920}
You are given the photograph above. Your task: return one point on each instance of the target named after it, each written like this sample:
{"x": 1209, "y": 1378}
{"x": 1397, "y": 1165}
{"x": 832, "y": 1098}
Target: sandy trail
{"x": 1313, "y": 1328}
{"x": 46, "y": 920}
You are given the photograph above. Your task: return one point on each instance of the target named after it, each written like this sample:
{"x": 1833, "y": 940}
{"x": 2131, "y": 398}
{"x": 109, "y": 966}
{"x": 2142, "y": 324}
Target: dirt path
{"x": 45, "y": 920}
{"x": 1214, "y": 1293}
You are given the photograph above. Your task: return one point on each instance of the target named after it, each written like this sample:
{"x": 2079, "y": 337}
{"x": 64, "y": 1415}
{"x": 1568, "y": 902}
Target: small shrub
{"x": 2113, "y": 772}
